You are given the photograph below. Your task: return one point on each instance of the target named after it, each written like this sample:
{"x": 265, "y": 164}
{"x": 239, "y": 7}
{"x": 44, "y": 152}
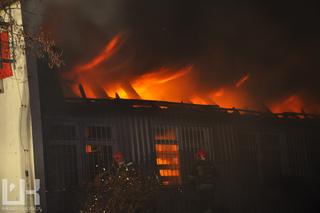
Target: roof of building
{"x": 83, "y": 107}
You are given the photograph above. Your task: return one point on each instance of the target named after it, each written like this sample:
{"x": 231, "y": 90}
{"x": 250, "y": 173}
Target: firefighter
{"x": 120, "y": 166}
{"x": 118, "y": 158}
{"x": 203, "y": 177}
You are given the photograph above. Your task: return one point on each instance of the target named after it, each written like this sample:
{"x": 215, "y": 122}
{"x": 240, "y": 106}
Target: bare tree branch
{"x": 41, "y": 42}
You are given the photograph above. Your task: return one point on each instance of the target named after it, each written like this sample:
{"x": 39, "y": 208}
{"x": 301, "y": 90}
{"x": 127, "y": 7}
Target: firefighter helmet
{"x": 201, "y": 154}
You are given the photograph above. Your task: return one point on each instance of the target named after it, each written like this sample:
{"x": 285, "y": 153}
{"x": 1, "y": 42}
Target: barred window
{"x": 98, "y": 132}
{"x": 98, "y": 159}
{"x": 168, "y": 163}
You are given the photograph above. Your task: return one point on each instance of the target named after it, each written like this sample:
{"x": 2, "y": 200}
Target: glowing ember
{"x": 242, "y": 80}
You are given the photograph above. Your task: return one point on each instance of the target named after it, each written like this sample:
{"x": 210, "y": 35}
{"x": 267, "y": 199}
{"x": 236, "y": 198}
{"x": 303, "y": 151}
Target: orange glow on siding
{"x": 168, "y": 134}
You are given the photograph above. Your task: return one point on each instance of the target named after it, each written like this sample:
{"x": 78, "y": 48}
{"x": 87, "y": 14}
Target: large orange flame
{"x": 110, "y": 48}
{"x": 175, "y": 84}
{"x": 156, "y": 85}
{"x": 293, "y": 103}
{"x": 161, "y": 84}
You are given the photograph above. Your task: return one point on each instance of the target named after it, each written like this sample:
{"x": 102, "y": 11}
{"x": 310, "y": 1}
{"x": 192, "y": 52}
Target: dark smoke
{"x": 277, "y": 43}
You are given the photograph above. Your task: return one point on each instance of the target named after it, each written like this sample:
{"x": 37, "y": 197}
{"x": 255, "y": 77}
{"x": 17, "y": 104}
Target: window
{"x": 63, "y": 132}
{"x": 5, "y": 66}
{"x": 98, "y": 132}
{"x": 98, "y": 159}
{"x": 168, "y": 163}
{"x": 166, "y": 134}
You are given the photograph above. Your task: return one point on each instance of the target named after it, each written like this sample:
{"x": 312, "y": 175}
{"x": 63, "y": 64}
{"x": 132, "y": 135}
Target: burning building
{"x": 255, "y": 153}
{"x": 159, "y": 90}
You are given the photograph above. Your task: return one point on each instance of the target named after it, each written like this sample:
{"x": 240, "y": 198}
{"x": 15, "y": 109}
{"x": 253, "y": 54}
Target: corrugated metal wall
{"x": 249, "y": 157}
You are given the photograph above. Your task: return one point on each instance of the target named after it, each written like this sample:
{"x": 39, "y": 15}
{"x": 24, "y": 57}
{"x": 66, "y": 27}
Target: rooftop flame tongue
{"x": 162, "y": 84}
{"x": 165, "y": 83}
{"x": 106, "y": 53}
{"x": 294, "y": 103}
{"x": 290, "y": 104}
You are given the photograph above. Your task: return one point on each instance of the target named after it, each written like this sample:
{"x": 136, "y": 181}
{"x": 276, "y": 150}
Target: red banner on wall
{"x": 5, "y": 66}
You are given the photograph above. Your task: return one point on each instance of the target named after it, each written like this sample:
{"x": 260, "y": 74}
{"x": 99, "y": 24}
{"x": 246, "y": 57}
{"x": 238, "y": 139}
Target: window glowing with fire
{"x": 168, "y": 163}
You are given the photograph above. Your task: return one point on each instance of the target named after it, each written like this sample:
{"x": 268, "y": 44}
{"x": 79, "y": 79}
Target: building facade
{"x": 254, "y": 152}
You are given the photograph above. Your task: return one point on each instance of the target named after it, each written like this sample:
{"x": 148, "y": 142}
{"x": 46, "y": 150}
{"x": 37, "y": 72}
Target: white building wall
{"x": 16, "y": 151}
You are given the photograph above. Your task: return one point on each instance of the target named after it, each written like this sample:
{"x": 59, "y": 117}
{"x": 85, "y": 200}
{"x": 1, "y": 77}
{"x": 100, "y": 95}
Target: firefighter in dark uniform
{"x": 203, "y": 178}
{"x": 120, "y": 166}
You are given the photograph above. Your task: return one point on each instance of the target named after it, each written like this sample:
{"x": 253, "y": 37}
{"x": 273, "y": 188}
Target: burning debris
{"x": 242, "y": 80}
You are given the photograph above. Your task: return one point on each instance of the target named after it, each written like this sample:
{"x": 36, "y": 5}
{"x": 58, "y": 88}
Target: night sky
{"x": 277, "y": 43}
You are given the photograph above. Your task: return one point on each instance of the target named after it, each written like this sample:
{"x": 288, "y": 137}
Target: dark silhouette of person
{"x": 203, "y": 178}
{"x": 120, "y": 164}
